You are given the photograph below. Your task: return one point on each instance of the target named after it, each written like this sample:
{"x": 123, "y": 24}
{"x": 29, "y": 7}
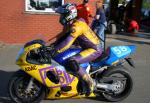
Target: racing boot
{"x": 82, "y": 75}
{"x": 89, "y": 84}
{"x": 88, "y": 81}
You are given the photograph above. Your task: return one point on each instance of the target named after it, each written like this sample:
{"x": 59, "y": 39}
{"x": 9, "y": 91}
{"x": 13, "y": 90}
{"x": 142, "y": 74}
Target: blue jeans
{"x": 99, "y": 30}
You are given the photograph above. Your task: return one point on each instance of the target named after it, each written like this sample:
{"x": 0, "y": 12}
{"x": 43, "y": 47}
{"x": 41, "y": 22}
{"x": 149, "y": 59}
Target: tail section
{"x": 119, "y": 52}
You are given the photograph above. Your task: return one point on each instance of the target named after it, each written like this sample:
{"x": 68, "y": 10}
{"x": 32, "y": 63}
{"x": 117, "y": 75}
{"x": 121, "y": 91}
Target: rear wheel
{"x": 121, "y": 87}
{"x": 18, "y": 89}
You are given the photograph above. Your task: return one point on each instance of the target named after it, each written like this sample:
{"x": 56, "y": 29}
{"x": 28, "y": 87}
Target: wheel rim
{"x": 20, "y": 92}
{"x": 121, "y": 88}
{"x": 118, "y": 86}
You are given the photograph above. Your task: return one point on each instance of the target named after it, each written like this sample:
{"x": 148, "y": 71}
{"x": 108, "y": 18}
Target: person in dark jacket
{"x": 99, "y": 23}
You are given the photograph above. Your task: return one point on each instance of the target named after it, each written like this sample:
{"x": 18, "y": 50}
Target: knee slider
{"x": 73, "y": 65}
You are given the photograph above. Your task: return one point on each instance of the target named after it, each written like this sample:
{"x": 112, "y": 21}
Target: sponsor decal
{"x": 63, "y": 76}
{"x": 30, "y": 68}
{"x": 69, "y": 55}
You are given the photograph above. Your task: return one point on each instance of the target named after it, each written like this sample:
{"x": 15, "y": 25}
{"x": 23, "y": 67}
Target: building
{"x": 21, "y": 22}
{"x": 24, "y": 20}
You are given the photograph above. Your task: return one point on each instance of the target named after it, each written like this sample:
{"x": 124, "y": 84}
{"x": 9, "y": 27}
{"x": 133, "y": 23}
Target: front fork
{"x": 30, "y": 85}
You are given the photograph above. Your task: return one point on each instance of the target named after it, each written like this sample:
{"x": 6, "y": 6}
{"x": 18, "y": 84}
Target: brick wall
{"x": 16, "y": 26}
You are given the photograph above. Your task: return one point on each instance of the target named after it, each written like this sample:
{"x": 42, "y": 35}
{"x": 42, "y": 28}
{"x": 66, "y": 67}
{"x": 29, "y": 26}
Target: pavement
{"x": 141, "y": 74}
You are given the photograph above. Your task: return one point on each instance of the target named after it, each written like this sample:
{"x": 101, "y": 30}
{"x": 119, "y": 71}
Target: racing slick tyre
{"x": 17, "y": 89}
{"x": 123, "y": 87}
{"x": 112, "y": 28}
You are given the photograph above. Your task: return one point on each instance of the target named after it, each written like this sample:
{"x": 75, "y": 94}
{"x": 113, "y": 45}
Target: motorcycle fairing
{"x": 62, "y": 57}
{"x": 114, "y": 53}
{"x": 20, "y": 53}
{"x": 38, "y": 72}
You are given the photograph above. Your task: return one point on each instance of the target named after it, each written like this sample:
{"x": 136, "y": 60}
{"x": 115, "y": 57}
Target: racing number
{"x": 120, "y": 49}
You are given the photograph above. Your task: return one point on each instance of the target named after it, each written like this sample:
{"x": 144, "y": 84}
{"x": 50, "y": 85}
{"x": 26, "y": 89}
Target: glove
{"x": 51, "y": 50}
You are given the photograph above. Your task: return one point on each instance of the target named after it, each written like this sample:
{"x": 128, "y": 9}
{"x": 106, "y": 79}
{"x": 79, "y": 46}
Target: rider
{"x": 89, "y": 42}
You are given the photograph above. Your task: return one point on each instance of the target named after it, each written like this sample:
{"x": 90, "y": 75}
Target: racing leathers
{"x": 91, "y": 49}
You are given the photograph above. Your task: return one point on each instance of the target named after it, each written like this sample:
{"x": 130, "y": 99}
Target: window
{"x": 42, "y": 6}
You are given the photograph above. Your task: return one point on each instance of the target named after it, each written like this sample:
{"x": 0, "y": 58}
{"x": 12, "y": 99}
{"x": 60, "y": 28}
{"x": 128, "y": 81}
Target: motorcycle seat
{"x": 101, "y": 58}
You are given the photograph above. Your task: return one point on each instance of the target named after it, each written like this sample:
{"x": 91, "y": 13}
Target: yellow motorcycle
{"x": 41, "y": 76}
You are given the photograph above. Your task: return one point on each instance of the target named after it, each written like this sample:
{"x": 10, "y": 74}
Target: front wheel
{"x": 18, "y": 91}
{"x": 122, "y": 84}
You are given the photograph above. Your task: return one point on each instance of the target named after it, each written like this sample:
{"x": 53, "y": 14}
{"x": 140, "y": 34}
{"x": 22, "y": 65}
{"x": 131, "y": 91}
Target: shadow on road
{"x": 99, "y": 98}
{"x": 4, "y": 79}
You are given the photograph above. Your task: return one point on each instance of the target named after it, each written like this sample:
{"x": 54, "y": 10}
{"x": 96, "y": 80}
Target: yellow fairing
{"x": 31, "y": 69}
{"x": 39, "y": 73}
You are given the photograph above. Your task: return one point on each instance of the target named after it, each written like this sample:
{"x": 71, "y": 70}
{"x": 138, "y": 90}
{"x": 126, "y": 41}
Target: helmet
{"x": 68, "y": 12}
{"x": 85, "y": 1}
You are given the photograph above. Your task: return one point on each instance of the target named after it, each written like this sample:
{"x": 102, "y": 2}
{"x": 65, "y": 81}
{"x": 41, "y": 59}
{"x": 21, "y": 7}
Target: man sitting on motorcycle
{"x": 88, "y": 41}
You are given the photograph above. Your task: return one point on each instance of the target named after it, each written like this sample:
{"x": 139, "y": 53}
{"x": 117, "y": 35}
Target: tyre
{"x": 18, "y": 92}
{"x": 112, "y": 28}
{"x": 123, "y": 87}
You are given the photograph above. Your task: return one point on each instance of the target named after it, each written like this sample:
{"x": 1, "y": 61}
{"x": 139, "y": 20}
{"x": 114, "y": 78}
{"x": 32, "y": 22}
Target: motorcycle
{"x": 131, "y": 26}
{"x": 41, "y": 76}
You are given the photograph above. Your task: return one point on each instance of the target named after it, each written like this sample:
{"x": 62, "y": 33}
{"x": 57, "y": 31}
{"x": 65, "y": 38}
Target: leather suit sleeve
{"x": 66, "y": 44}
{"x": 76, "y": 31}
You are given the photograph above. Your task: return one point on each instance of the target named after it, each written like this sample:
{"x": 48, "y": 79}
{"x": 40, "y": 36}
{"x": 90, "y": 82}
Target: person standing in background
{"x": 84, "y": 11}
{"x": 121, "y": 12}
{"x": 99, "y": 22}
